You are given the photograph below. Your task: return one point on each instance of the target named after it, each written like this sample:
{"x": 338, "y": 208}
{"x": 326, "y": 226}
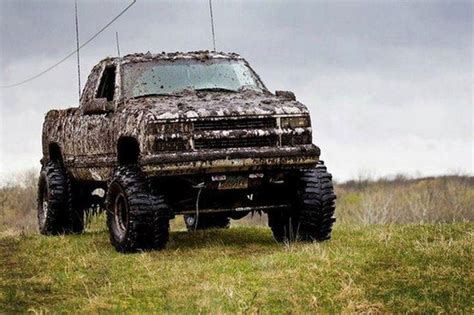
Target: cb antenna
{"x": 118, "y": 50}
{"x": 77, "y": 51}
{"x": 117, "y": 40}
{"x": 212, "y": 26}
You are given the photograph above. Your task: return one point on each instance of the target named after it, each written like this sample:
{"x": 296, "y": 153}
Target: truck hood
{"x": 195, "y": 105}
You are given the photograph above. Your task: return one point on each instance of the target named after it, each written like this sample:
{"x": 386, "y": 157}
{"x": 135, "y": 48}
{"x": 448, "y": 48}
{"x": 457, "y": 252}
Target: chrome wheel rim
{"x": 43, "y": 215}
{"x": 190, "y": 220}
{"x": 121, "y": 215}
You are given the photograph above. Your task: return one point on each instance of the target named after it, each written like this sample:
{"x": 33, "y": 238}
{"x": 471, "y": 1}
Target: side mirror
{"x": 286, "y": 95}
{"x": 98, "y": 106}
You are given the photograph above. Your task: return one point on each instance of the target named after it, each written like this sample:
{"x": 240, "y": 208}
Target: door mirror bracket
{"x": 286, "y": 95}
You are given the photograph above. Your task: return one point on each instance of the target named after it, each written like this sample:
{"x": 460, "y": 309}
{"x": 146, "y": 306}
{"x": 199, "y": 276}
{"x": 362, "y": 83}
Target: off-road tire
{"x": 145, "y": 223}
{"x": 56, "y": 212}
{"x": 207, "y": 221}
{"x": 312, "y": 214}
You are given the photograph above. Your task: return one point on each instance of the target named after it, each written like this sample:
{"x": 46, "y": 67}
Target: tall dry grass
{"x": 18, "y": 202}
{"x": 404, "y": 200}
{"x": 363, "y": 201}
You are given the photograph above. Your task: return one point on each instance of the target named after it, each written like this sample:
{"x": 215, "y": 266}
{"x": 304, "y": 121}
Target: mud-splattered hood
{"x": 195, "y": 105}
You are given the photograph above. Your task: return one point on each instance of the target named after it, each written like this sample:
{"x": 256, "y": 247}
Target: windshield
{"x": 169, "y": 77}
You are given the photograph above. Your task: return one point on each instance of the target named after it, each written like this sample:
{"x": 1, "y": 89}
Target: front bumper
{"x": 230, "y": 160}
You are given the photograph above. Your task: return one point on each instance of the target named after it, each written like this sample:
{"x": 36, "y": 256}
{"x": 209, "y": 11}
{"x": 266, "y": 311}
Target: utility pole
{"x": 117, "y": 40}
{"x": 212, "y": 26}
{"x": 77, "y": 51}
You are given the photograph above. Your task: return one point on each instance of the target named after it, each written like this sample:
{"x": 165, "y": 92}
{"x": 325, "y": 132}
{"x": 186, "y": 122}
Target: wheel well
{"x": 128, "y": 150}
{"x": 55, "y": 153}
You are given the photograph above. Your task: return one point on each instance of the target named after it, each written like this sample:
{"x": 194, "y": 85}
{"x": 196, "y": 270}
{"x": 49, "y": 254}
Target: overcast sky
{"x": 389, "y": 84}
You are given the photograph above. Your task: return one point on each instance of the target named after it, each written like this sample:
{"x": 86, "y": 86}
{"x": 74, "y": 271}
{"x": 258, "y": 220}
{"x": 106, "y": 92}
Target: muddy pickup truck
{"x": 195, "y": 134}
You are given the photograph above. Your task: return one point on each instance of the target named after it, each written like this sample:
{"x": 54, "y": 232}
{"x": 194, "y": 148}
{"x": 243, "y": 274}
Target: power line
{"x": 212, "y": 26}
{"x": 72, "y": 53}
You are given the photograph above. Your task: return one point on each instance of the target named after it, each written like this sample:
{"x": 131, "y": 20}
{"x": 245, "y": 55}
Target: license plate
{"x": 234, "y": 182}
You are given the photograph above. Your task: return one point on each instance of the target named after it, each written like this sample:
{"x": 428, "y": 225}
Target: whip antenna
{"x": 77, "y": 51}
{"x": 212, "y": 26}
{"x": 117, "y": 40}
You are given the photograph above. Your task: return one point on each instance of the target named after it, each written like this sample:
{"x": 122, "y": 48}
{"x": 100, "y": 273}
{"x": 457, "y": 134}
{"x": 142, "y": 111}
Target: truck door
{"x": 95, "y": 133}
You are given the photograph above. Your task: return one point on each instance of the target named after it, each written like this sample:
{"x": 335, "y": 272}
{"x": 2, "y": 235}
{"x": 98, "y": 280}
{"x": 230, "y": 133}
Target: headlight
{"x": 170, "y": 145}
{"x": 169, "y": 136}
{"x": 295, "y": 122}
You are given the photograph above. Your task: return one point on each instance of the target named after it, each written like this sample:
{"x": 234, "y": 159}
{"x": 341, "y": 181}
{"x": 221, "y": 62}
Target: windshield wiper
{"x": 153, "y": 94}
{"x": 216, "y": 89}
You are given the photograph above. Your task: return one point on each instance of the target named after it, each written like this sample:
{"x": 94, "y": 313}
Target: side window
{"x": 107, "y": 84}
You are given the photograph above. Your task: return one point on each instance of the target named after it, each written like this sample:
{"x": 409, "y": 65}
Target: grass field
{"x": 370, "y": 269}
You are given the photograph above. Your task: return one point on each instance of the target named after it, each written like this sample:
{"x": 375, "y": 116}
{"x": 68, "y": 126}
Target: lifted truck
{"x": 196, "y": 134}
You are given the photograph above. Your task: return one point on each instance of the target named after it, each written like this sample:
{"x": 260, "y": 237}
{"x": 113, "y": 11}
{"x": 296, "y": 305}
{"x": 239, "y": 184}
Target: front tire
{"x": 311, "y": 217}
{"x": 137, "y": 220}
{"x": 56, "y": 214}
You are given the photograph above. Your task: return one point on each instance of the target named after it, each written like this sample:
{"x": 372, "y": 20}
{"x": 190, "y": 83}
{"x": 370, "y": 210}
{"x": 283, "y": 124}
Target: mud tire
{"x": 207, "y": 221}
{"x": 54, "y": 194}
{"x": 137, "y": 219}
{"x": 312, "y": 215}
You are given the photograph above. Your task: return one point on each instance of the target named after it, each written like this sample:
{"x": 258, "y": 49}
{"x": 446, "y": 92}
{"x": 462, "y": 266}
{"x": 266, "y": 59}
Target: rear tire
{"x": 137, "y": 220}
{"x": 56, "y": 214}
{"x": 206, "y": 221}
{"x": 311, "y": 217}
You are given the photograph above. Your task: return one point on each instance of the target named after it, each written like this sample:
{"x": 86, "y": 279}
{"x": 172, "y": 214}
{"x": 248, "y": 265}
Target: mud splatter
{"x": 88, "y": 141}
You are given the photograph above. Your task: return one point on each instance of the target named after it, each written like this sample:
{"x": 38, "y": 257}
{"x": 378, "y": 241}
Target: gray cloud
{"x": 389, "y": 83}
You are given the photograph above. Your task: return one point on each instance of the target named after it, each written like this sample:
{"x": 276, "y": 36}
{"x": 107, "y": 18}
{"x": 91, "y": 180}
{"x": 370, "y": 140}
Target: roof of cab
{"x": 198, "y": 55}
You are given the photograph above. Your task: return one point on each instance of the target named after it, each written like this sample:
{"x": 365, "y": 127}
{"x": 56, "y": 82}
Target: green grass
{"x": 376, "y": 268}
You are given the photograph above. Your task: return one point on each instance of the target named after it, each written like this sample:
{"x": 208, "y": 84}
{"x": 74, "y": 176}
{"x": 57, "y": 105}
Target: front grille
{"x": 236, "y": 142}
{"x": 228, "y": 124}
